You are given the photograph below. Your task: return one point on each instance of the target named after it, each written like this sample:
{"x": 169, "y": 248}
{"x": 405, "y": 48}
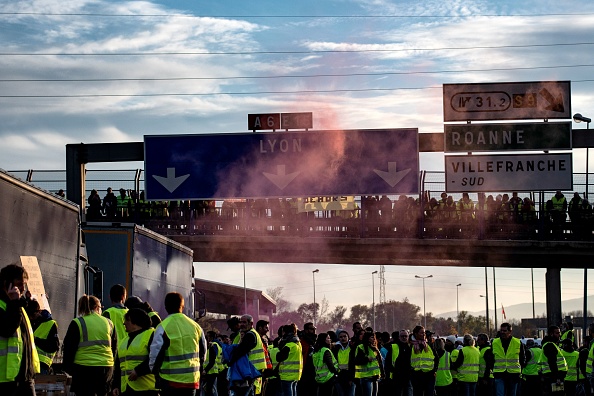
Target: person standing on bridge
{"x": 559, "y": 213}
{"x": 509, "y": 358}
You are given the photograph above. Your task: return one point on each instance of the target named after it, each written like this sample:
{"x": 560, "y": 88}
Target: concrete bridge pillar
{"x": 553, "y": 283}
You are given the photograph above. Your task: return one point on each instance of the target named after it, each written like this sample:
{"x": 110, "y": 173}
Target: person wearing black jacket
{"x": 16, "y": 381}
{"x": 398, "y": 364}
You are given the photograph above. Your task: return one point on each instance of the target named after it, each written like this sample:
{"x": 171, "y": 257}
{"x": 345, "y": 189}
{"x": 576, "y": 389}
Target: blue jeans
{"x": 506, "y": 386}
{"x": 466, "y": 388}
{"x": 288, "y": 388}
{"x": 209, "y": 385}
{"x": 344, "y": 389}
{"x": 368, "y": 386}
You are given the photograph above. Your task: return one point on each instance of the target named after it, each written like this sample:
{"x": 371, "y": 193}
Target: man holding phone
{"x": 19, "y": 361}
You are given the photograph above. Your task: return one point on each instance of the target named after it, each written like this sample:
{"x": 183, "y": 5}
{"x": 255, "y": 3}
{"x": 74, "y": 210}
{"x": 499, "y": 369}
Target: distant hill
{"x": 524, "y": 310}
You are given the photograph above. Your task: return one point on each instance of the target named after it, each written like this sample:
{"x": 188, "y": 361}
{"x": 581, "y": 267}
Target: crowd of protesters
{"x": 487, "y": 216}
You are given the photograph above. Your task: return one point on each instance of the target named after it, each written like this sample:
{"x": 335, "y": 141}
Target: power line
{"x": 51, "y": 14}
{"x": 299, "y": 92}
{"x": 294, "y": 76}
{"x": 287, "y": 52}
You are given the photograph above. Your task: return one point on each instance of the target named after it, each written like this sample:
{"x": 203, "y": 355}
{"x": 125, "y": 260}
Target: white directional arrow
{"x": 281, "y": 179}
{"x": 392, "y": 176}
{"x": 171, "y": 182}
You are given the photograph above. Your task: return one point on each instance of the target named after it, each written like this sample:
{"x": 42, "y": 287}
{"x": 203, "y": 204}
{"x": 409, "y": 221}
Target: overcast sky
{"x": 114, "y": 71}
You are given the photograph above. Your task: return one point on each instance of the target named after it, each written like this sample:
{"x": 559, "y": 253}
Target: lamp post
{"x": 373, "y": 292}
{"x": 577, "y": 117}
{"x": 458, "y": 308}
{"x": 424, "y": 306}
{"x": 313, "y": 274}
{"x": 487, "y": 311}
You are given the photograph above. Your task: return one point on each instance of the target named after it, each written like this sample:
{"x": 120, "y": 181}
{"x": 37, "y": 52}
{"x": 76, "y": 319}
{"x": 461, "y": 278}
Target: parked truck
{"x": 148, "y": 264}
{"x": 77, "y": 258}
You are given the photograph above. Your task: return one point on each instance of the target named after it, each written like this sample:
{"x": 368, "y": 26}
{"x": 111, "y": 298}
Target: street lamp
{"x": 458, "y": 308}
{"x": 487, "y": 312}
{"x": 373, "y": 292}
{"x": 577, "y": 117}
{"x": 313, "y": 274}
{"x": 424, "y": 305}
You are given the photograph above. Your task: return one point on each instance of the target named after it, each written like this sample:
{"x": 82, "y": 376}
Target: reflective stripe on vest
{"x": 343, "y": 357}
{"x": 42, "y": 331}
{"x": 572, "y": 364}
{"x": 468, "y": 371}
{"x": 323, "y": 373}
{"x": 590, "y": 360}
{"x": 422, "y": 361}
{"x": 443, "y": 377}
{"x": 11, "y": 350}
{"x": 256, "y": 355}
{"x": 533, "y": 365}
{"x": 116, "y": 315}
{"x": 395, "y": 354}
{"x": 181, "y": 363}
{"x": 483, "y": 363}
{"x": 509, "y": 361}
{"x": 217, "y": 367}
{"x": 560, "y": 361}
{"x": 292, "y": 367}
{"x": 370, "y": 369}
{"x": 94, "y": 345}
{"x": 133, "y": 355}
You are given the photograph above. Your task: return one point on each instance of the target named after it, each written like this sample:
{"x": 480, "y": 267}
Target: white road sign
{"x": 507, "y": 101}
{"x": 493, "y": 173}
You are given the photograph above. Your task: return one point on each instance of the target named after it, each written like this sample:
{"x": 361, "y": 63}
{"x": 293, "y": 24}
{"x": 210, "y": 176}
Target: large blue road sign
{"x": 285, "y": 164}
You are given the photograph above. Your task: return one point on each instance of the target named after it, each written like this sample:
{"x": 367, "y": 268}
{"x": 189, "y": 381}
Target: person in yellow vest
{"x": 369, "y": 367}
{"x": 568, "y": 332}
{"x": 115, "y": 313}
{"x": 19, "y": 361}
{"x": 485, "y": 383}
{"x": 344, "y": 385}
{"x": 177, "y": 351}
{"x": 571, "y": 356}
{"x": 397, "y": 364}
{"x": 444, "y": 383}
{"x": 213, "y": 365}
{"x": 450, "y": 345}
{"x": 132, "y": 374}
{"x": 290, "y": 361}
{"x": 554, "y": 365}
{"x": 250, "y": 345}
{"x": 509, "y": 358}
{"x": 423, "y": 363}
{"x": 531, "y": 376}
{"x": 467, "y": 365}
{"x": 45, "y": 331}
{"x": 325, "y": 364}
{"x": 90, "y": 347}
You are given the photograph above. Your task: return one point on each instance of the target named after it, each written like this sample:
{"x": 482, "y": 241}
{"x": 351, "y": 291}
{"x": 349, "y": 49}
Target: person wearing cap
{"x": 509, "y": 358}
{"x": 553, "y": 363}
{"x": 485, "y": 383}
{"x": 531, "y": 378}
{"x": 450, "y": 346}
{"x": 45, "y": 331}
{"x": 132, "y": 374}
{"x": 115, "y": 313}
{"x": 467, "y": 365}
{"x": 571, "y": 356}
{"x": 136, "y": 302}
